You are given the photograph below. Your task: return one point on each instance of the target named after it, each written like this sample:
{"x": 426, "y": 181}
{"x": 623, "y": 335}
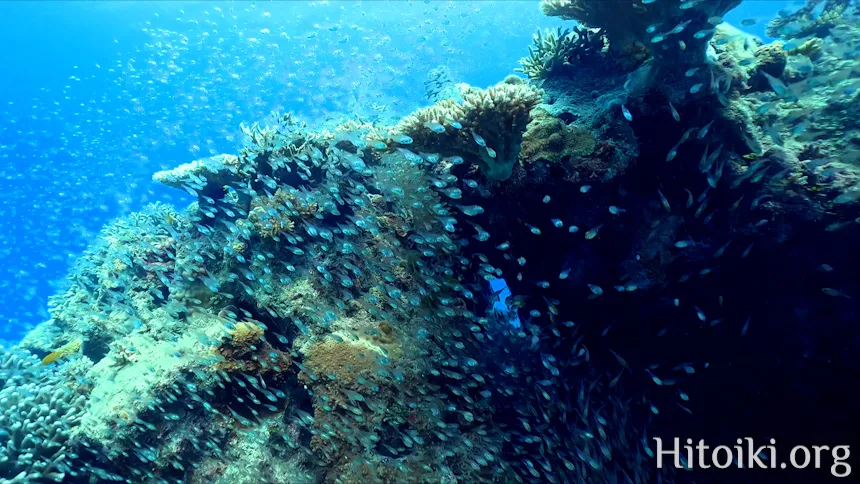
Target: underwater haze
{"x": 107, "y": 93}
{"x": 429, "y": 241}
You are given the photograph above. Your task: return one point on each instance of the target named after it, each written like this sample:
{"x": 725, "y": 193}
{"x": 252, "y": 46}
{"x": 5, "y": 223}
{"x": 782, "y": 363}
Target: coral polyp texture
{"x": 324, "y": 310}
{"x": 40, "y": 411}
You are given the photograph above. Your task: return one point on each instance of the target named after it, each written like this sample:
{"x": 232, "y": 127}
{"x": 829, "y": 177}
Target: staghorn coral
{"x": 492, "y": 122}
{"x": 553, "y": 51}
{"x": 807, "y": 21}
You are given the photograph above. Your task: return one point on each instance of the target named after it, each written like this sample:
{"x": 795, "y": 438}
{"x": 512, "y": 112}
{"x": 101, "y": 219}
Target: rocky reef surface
{"x": 672, "y": 203}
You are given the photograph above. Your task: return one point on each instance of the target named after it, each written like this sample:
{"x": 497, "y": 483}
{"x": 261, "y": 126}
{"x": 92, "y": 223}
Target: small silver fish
{"x": 722, "y": 249}
{"x": 675, "y": 115}
{"x": 704, "y": 131}
{"x": 672, "y": 153}
{"x": 626, "y": 113}
{"x": 434, "y": 126}
{"x": 834, "y": 292}
{"x": 593, "y": 232}
{"x": 680, "y": 27}
{"x": 478, "y": 139}
{"x": 664, "y": 201}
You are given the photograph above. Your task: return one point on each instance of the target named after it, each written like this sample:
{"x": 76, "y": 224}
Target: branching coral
{"x": 806, "y": 21}
{"x": 491, "y": 124}
{"x": 554, "y": 50}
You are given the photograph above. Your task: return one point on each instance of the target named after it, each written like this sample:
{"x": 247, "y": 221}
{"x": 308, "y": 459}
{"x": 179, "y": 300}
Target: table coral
{"x": 492, "y": 122}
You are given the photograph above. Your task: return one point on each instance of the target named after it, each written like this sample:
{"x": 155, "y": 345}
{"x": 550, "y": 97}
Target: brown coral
{"x": 549, "y": 138}
{"x": 246, "y": 349}
{"x": 771, "y": 58}
{"x": 245, "y": 334}
{"x": 496, "y": 117}
{"x": 345, "y": 360}
{"x": 271, "y": 215}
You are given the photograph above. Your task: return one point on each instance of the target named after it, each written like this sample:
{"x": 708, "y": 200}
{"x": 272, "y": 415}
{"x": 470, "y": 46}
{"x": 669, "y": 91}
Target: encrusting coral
{"x": 549, "y": 138}
{"x": 485, "y": 129}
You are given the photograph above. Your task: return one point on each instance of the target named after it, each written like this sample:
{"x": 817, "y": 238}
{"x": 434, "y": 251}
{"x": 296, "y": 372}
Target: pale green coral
{"x": 549, "y": 138}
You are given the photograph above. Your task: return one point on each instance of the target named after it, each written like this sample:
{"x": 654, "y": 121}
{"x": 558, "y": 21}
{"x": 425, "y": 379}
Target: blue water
{"x": 97, "y": 96}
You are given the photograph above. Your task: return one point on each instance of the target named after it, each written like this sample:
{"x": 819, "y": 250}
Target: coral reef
{"x": 321, "y": 312}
